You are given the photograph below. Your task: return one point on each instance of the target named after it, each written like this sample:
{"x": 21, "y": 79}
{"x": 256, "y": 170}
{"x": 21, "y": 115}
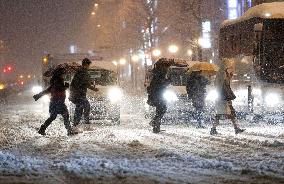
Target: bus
{"x": 254, "y": 45}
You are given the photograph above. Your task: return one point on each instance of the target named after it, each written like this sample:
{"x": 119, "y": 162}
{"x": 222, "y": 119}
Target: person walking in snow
{"x": 57, "y": 105}
{"x": 155, "y": 91}
{"x": 78, "y": 92}
{"x": 225, "y": 107}
{"x": 196, "y": 90}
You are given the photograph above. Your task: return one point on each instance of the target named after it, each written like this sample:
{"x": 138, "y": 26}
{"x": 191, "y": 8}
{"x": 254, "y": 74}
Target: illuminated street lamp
{"x": 122, "y": 61}
{"x": 173, "y": 49}
{"x": 96, "y": 5}
{"x": 114, "y": 62}
{"x": 135, "y": 58}
{"x": 189, "y": 52}
{"x": 156, "y": 52}
{"x": 99, "y": 25}
{"x": 93, "y": 13}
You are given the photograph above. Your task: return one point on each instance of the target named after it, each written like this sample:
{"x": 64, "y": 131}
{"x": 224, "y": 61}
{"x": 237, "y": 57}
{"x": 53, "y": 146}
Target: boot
{"x": 213, "y": 131}
{"x": 41, "y": 131}
{"x": 200, "y": 125}
{"x": 151, "y": 123}
{"x": 239, "y": 130}
{"x": 72, "y": 132}
{"x": 156, "y": 129}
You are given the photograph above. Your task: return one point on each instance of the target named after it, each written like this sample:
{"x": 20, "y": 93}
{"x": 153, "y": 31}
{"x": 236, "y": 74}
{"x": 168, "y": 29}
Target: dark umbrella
{"x": 67, "y": 68}
{"x": 171, "y": 62}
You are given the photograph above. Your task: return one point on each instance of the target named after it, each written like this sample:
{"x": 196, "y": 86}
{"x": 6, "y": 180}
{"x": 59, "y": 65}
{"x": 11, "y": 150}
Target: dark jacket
{"x": 226, "y": 92}
{"x": 196, "y": 85}
{"x": 80, "y": 83}
{"x": 56, "y": 89}
{"x": 157, "y": 86}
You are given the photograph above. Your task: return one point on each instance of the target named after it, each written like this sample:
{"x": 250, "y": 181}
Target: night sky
{"x": 29, "y": 28}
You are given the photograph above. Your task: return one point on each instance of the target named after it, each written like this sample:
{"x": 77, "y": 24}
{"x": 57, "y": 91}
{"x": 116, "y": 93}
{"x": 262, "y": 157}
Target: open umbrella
{"x": 205, "y": 68}
{"x": 69, "y": 68}
{"x": 171, "y": 62}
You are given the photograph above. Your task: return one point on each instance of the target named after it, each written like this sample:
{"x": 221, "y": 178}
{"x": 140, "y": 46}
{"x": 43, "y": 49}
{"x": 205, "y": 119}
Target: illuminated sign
{"x": 232, "y": 9}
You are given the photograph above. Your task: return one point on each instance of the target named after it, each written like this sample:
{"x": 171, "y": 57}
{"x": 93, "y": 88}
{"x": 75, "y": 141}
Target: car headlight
{"x": 170, "y": 96}
{"x": 115, "y": 95}
{"x": 36, "y": 89}
{"x": 45, "y": 99}
{"x": 212, "y": 95}
{"x": 272, "y": 99}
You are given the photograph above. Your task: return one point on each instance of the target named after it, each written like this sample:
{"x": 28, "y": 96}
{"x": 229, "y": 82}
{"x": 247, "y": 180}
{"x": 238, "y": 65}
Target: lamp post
{"x": 135, "y": 59}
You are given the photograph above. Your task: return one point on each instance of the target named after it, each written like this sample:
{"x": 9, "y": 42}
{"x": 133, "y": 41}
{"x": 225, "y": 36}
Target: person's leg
{"x": 232, "y": 117}
{"x": 87, "y": 108}
{"x": 160, "y": 111}
{"x": 213, "y": 130}
{"x": 198, "y": 103}
{"x": 65, "y": 115}
{"x": 78, "y": 112}
{"x": 47, "y": 122}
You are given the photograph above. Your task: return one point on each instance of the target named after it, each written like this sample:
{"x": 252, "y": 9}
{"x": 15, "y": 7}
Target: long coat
{"x": 157, "y": 86}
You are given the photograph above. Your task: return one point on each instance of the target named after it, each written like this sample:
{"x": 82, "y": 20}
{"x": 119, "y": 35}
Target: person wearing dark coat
{"x": 226, "y": 97}
{"x": 155, "y": 91}
{"x": 196, "y": 90}
{"x": 78, "y": 92}
{"x": 57, "y": 105}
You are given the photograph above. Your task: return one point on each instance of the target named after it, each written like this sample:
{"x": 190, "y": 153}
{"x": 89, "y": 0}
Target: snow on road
{"x": 131, "y": 153}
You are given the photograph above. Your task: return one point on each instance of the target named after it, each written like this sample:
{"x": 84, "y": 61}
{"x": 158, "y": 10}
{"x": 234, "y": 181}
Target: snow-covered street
{"x": 131, "y": 153}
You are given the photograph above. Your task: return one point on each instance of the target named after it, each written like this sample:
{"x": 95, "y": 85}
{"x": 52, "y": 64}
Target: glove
{"x": 66, "y": 84}
{"x": 36, "y": 97}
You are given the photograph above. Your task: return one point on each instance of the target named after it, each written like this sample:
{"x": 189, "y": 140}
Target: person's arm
{"x": 89, "y": 82}
{"x": 44, "y": 92}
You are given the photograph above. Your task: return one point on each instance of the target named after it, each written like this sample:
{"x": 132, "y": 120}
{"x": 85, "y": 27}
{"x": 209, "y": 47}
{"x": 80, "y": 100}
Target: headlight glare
{"x": 36, "y": 89}
{"x": 272, "y": 99}
{"x": 170, "y": 96}
{"x": 115, "y": 94}
{"x": 212, "y": 95}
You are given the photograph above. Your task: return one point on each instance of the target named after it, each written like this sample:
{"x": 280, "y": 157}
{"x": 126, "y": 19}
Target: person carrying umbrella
{"x": 57, "y": 105}
{"x": 196, "y": 90}
{"x": 78, "y": 92}
{"x": 225, "y": 107}
{"x": 155, "y": 91}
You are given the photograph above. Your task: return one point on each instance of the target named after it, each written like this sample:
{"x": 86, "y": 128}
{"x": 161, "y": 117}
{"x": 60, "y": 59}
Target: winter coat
{"x": 226, "y": 93}
{"x": 80, "y": 83}
{"x": 196, "y": 86}
{"x": 157, "y": 86}
{"x": 57, "y": 88}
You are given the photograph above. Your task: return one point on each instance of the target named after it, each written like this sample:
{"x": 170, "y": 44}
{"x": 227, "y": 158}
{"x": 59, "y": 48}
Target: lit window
{"x": 206, "y": 40}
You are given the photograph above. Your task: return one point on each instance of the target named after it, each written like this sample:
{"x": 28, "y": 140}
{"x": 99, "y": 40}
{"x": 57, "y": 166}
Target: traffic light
{"x": 45, "y": 60}
{"x": 7, "y": 69}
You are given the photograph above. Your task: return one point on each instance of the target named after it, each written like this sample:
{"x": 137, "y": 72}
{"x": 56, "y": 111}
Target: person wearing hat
{"x": 57, "y": 105}
{"x": 155, "y": 90}
{"x": 78, "y": 92}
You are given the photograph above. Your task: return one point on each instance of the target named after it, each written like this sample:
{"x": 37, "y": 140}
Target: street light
{"x": 115, "y": 63}
{"x": 173, "y": 49}
{"x": 122, "y": 61}
{"x": 189, "y": 52}
{"x": 93, "y": 13}
{"x": 135, "y": 58}
{"x": 156, "y": 52}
